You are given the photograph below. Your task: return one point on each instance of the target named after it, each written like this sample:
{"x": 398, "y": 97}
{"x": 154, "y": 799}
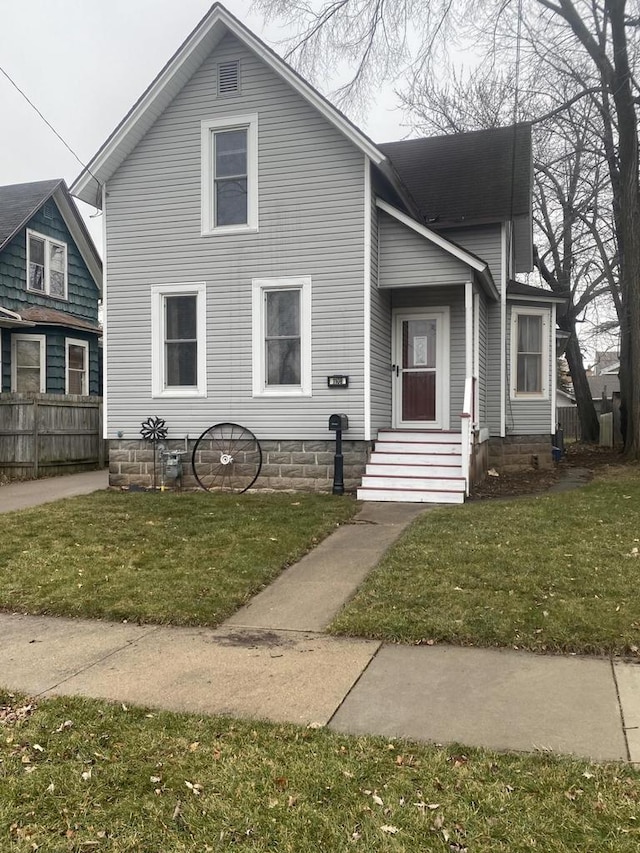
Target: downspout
{"x": 503, "y": 334}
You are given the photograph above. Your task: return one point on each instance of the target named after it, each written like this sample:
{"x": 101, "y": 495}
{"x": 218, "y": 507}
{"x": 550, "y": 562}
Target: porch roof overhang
{"x": 477, "y": 265}
{"x": 12, "y": 320}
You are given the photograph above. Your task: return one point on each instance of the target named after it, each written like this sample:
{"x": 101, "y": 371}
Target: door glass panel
{"x": 419, "y": 343}
{"x": 418, "y": 396}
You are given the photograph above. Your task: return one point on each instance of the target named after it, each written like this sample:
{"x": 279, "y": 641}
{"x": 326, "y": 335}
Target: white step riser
{"x": 415, "y": 447}
{"x": 416, "y": 458}
{"x": 407, "y": 496}
{"x": 399, "y": 435}
{"x": 447, "y": 471}
{"x": 421, "y": 483}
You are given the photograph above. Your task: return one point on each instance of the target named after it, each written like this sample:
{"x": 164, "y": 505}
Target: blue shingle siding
{"x": 82, "y": 291}
{"x": 82, "y": 302}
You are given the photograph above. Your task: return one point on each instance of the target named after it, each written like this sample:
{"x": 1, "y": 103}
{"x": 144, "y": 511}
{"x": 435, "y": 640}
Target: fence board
{"x": 568, "y": 420}
{"x": 45, "y": 434}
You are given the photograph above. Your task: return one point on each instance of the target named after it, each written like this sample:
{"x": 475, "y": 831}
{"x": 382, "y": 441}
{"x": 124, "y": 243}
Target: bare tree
{"x": 593, "y": 45}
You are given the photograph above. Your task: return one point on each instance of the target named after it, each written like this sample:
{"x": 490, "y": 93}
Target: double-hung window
{"x": 529, "y": 352}
{"x": 282, "y": 336}
{"x": 229, "y": 174}
{"x": 46, "y": 265}
{"x": 28, "y": 363}
{"x": 179, "y": 347}
{"x": 77, "y": 359}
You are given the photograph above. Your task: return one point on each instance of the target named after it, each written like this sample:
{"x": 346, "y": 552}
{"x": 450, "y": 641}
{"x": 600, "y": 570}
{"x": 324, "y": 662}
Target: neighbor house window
{"x": 77, "y": 357}
{"x": 179, "y": 332}
{"x": 282, "y": 336}
{"x": 46, "y": 265}
{"x": 229, "y": 175}
{"x": 529, "y": 352}
{"x": 28, "y": 363}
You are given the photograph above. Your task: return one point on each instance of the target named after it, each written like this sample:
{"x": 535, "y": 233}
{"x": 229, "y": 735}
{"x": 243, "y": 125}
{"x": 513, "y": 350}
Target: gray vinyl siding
{"x": 311, "y": 223}
{"x": 484, "y": 241}
{"x": 437, "y": 297}
{"x": 381, "y": 413}
{"x": 409, "y": 260}
{"x": 529, "y": 417}
{"x": 483, "y": 366}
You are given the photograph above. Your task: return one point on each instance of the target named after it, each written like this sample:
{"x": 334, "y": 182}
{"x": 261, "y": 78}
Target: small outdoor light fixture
{"x": 338, "y": 423}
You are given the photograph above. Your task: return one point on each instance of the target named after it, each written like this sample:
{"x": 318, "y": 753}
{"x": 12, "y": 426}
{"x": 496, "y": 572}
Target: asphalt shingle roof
{"x": 18, "y": 203}
{"x": 482, "y": 176}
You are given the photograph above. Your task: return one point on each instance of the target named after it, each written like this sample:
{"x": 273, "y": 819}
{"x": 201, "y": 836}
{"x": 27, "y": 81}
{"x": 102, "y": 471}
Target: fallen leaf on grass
{"x": 390, "y": 830}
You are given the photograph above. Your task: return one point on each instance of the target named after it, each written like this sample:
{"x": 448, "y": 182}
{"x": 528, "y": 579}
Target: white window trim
{"x": 259, "y": 287}
{"x": 158, "y": 294}
{"x": 207, "y": 128}
{"x": 47, "y": 281}
{"x": 42, "y": 339}
{"x": 517, "y": 312}
{"x": 75, "y": 342}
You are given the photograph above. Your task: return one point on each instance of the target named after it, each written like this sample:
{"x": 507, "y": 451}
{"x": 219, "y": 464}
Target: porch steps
{"x": 414, "y": 467}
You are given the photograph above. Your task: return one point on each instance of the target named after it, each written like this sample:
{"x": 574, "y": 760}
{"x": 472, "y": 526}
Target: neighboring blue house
{"x": 50, "y": 287}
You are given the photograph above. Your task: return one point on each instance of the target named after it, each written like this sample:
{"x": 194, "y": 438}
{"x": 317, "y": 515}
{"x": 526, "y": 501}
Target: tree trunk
{"x": 589, "y": 424}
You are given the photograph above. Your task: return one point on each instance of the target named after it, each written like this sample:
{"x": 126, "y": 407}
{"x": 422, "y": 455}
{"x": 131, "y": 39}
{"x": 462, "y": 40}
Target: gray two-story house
{"x": 268, "y": 265}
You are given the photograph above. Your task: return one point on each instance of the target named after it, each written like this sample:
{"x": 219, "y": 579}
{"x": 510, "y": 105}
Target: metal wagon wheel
{"x": 226, "y": 458}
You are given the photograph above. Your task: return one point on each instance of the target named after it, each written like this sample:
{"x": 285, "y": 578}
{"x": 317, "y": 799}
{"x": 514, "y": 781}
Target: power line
{"x": 48, "y": 123}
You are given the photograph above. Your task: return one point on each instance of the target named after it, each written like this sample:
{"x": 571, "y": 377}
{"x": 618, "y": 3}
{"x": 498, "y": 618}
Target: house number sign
{"x": 338, "y": 381}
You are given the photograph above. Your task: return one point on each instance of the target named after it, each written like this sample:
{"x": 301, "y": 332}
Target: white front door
{"x": 421, "y": 369}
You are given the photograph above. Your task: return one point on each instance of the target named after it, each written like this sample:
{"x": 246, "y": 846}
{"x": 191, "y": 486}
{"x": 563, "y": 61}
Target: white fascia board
{"x": 116, "y": 148}
{"x": 476, "y": 264}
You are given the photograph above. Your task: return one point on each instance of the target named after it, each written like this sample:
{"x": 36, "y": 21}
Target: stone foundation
{"x": 520, "y": 452}
{"x": 304, "y": 466}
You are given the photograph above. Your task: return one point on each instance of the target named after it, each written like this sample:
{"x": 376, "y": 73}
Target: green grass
{"x": 555, "y": 573}
{"x": 188, "y": 559}
{"x": 79, "y": 775}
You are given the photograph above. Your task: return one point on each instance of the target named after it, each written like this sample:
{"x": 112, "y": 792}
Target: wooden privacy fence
{"x": 45, "y": 434}
{"x": 568, "y": 421}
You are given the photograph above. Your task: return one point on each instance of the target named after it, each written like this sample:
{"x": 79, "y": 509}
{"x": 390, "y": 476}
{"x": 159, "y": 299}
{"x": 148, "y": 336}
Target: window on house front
{"x": 46, "y": 265}
{"x": 179, "y": 331}
{"x": 28, "y": 364}
{"x": 282, "y": 336}
{"x": 229, "y": 175}
{"x": 530, "y": 352}
{"x": 77, "y": 358}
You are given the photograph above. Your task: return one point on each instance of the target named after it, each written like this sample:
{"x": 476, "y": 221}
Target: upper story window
{"x": 46, "y": 265}
{"x": 529, "y": 352}
{"x": 229, "y": 174}
{"x": 179, "y": 347}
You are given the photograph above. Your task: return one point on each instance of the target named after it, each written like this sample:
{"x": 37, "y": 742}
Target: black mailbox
{"x": 338, "y": 423}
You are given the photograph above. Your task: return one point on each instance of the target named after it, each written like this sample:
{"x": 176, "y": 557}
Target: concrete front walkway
{"x": 272, "y": 661}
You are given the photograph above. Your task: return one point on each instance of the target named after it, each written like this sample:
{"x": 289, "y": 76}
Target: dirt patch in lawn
{"x": 531, "y": 481}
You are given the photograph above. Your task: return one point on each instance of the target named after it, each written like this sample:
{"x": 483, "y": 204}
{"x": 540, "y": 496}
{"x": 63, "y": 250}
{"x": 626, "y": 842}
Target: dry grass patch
{"x": 79, "y": 775}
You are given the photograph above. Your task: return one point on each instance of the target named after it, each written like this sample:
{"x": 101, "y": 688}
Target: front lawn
{"x": 79, "y": 775}
{"x": 189, "y": 559}
{"x": 557, "y": 573}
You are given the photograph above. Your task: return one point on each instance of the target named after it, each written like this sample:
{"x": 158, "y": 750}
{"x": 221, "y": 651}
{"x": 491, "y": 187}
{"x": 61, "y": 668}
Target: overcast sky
{"x": 85, "y": 62}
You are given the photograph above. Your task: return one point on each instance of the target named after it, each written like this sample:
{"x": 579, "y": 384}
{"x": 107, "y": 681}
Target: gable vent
{"x": 47, "y": 210}
{"x": 228, "y": 77}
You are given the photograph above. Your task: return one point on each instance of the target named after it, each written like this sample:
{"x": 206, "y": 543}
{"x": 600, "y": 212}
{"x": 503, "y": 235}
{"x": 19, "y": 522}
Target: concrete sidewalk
{"x": 29, "y": 493}
{"x": 272, "y": 661}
